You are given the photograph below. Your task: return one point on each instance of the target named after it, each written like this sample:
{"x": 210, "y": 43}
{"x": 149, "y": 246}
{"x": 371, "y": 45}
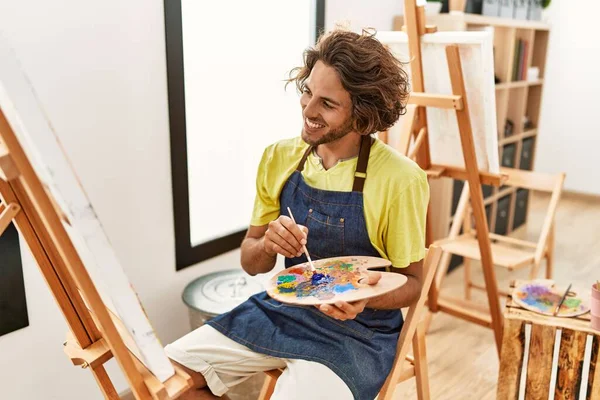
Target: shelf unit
{"x": 517, "y": 101}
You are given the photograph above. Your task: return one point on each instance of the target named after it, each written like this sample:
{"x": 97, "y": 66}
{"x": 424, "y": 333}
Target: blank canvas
{"x": 476, "y": 55}
{"x": 34, "y": 131}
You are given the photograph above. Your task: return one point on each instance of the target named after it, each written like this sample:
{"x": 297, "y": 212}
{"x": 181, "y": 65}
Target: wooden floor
{"x": 462, "y": 358}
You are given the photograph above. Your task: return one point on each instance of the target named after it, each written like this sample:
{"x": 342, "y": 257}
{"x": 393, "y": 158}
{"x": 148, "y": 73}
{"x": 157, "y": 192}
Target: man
{"x": 350, "y": 195}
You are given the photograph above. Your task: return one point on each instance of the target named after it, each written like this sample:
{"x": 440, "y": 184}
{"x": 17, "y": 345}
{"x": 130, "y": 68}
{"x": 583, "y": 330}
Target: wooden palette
{"x": 543, "y": 299}
{"x": 335, "y": 279}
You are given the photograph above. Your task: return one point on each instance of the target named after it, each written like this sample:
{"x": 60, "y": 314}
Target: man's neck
{"x": 346, "y": 147}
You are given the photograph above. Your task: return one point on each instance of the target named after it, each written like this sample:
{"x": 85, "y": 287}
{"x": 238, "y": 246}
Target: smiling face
{"x": 326, "y": 107}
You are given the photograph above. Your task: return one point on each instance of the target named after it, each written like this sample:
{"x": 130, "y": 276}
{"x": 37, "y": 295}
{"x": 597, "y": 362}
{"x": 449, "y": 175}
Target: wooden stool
{"x": 519, "y": 324}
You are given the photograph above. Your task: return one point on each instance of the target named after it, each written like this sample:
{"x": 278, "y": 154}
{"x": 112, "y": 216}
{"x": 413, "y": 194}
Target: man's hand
{"x": 284, "y": 237}
{"x": 342, "y": 310}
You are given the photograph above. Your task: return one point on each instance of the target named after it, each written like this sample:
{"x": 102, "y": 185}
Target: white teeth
{"x": 313, "y": 125}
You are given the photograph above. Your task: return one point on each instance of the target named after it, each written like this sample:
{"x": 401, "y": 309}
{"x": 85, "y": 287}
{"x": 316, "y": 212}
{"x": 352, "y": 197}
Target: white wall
{"x": 378, "y": 14}
{"x": 99, "y": 69}
{"x": 569, "y": 131}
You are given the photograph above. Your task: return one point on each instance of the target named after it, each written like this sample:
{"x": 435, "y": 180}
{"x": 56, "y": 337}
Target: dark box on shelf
{"x": 508, "y": 155}
{"x": 475, "y": 7}
{"x": 501, "y": 227}
{"x": 521, "y": 208}
{"x": 457, "y": 190}
{"x": 527, "y": 154}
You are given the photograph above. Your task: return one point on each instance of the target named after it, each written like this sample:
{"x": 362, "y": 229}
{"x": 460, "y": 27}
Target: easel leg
{"x": 478, "y": 208}
{"x": 106, "y": 386}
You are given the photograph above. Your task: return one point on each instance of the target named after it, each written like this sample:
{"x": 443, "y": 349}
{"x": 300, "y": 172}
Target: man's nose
{"x": 310, "y": 110}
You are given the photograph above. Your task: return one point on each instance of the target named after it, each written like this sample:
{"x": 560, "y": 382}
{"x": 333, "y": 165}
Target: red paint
{"x": 297, "y": 271}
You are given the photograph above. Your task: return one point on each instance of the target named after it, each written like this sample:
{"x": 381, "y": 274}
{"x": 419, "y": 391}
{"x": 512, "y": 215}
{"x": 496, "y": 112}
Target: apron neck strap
{"x": 300, "y": 166}
{"x": 361, "y": 167}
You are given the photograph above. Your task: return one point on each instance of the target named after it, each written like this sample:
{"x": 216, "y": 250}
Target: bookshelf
{"x": 518, "y": 45}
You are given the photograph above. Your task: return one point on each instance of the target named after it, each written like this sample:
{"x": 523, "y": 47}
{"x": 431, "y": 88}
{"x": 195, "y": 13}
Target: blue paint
{"x": 343, "y": 288}
{"x": 318, "y": 278}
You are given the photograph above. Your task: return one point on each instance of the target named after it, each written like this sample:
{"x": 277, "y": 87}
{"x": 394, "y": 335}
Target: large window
{"x": 227, "y": 61}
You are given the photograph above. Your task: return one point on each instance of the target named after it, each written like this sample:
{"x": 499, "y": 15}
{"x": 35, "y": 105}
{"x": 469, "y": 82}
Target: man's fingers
{"x": 280, "y": 245}
{"x": 354, "y": 308}
{"x": 304, "y": 230}
{"x": 299, "y": 234}
{"x": 281, "y": 236}
{"x": 372, "y": 277}
{"x": 334, "y": 312}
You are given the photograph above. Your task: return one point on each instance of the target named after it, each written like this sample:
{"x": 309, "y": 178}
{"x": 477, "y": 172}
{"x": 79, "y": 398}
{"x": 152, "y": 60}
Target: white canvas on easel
{"x": 476, "y": 53}
{"x": 23, "y": 110}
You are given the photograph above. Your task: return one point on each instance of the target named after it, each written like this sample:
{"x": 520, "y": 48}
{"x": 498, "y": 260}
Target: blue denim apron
{"x": 360, "y": 351}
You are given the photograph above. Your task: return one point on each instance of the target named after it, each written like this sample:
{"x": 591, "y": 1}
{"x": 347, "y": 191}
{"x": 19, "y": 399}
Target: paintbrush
{"x": 562, "y": 300}
{"x": 312, "y": 267}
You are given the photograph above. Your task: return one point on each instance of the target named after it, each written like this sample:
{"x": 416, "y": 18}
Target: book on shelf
{"x": 519, "y": 72}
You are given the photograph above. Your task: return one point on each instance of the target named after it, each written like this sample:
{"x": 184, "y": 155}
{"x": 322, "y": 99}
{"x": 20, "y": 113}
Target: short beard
{"x": 332, "y": 135}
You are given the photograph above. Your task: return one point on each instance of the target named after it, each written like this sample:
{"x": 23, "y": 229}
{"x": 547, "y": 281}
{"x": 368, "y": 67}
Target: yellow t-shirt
{"x": 395, "y": 195}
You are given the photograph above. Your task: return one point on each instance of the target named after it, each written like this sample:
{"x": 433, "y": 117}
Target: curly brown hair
{"x": 374, "y": 77}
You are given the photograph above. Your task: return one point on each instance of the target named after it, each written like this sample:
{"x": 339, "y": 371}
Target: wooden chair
{"x": 553, "y": 366}
{"x": 507, "y": 252}
{"x": 413, "y": 331}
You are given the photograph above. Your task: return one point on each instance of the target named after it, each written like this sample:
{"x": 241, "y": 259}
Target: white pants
{"x": 225, "y": 363}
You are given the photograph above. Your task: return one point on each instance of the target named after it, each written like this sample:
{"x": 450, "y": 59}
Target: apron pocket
{"x": 330, "y": 230}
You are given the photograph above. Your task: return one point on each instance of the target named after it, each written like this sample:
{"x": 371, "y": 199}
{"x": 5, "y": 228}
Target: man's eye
{"x": 327, "y": 105}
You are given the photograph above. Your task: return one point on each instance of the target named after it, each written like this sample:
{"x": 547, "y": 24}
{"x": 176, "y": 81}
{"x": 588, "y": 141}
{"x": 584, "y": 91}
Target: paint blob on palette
{"x": 544, "y": 299}
{"x": 334, "y": 279}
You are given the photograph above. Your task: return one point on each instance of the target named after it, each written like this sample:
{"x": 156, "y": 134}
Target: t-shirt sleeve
{"x": 266, "y": 202}
{"x": 405, "y": 236}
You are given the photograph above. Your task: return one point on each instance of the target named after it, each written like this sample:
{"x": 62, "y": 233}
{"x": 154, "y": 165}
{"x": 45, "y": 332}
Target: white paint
{"x": 569, "y": 131}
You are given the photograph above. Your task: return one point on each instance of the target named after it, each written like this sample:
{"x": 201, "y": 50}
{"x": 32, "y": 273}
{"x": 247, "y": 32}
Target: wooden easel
{"x": 416, "y": 127}
{"x": 94, "y": 336}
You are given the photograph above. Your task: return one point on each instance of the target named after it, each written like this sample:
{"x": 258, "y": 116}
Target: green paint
{"x": 286, "y": 278}
{"x": 572, "y": 303}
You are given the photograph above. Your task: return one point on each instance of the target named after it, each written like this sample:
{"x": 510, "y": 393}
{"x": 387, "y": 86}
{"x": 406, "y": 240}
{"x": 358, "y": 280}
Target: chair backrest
{"x": 413, "y": 318}
{"x": 532, "y": 180}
